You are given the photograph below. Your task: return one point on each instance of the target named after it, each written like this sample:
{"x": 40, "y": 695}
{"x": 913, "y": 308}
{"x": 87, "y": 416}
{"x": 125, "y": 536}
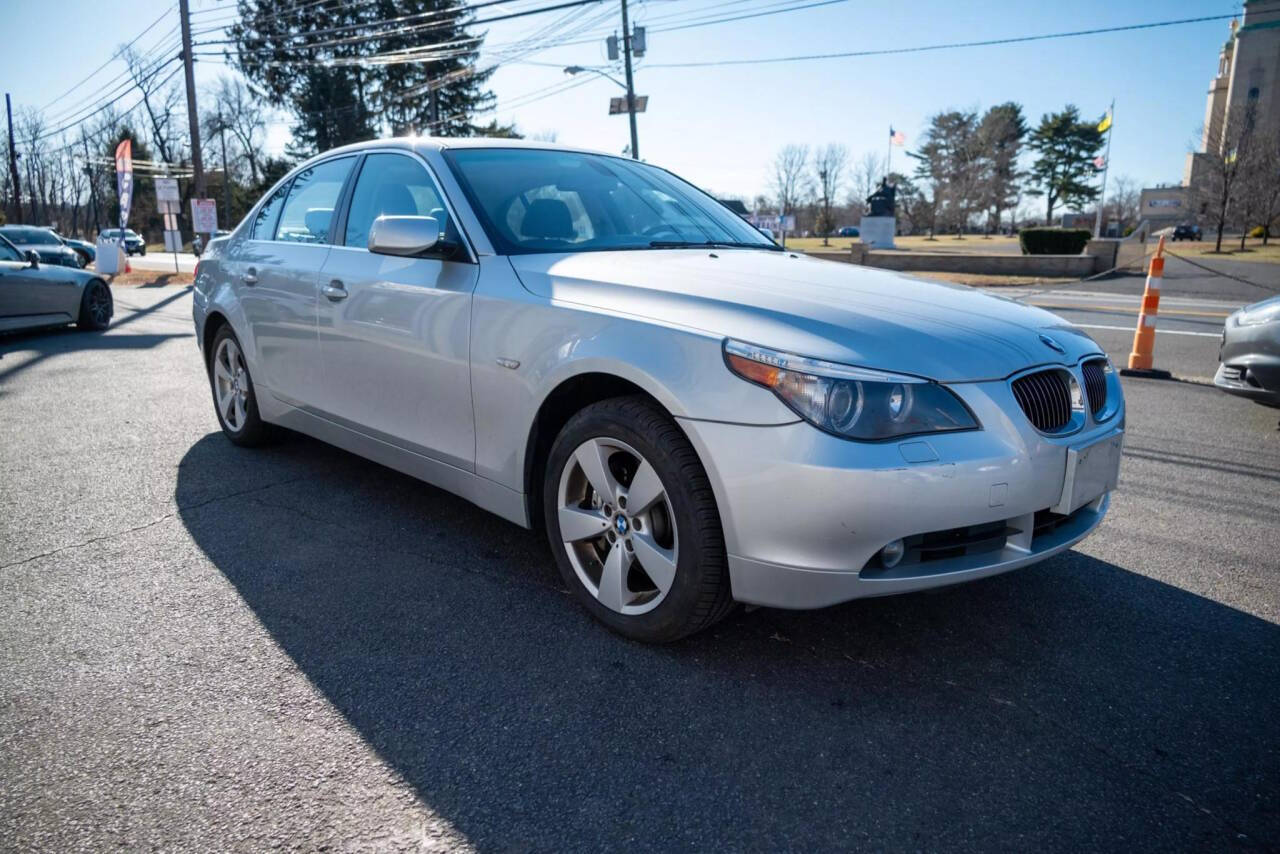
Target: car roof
{"x": 435, "y": 143}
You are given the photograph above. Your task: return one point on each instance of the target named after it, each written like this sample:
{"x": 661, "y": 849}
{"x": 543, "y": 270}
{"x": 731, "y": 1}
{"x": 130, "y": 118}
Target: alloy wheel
{"x": 230, "y": 383}
{"x": 617, "y": 526}
{"x": 99, "y": 305}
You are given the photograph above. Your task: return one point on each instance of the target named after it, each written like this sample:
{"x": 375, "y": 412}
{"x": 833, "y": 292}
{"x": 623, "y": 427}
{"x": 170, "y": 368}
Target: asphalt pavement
{"x": 209, "y": 648}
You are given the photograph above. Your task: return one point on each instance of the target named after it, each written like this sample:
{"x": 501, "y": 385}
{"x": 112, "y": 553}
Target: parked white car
{"x": 592, "y": 346}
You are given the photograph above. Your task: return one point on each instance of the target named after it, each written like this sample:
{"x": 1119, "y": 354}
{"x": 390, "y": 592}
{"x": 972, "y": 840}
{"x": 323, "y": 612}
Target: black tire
{"x": 254, "y": 431}
{"x": 143, "y": 250}
{"x": 699, "y": 596}
{"x": 96, "y": 307}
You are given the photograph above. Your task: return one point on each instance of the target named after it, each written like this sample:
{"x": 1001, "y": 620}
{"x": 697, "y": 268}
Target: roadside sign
{"x": 167, "y": 190}
{"x": 204, "y": 216}
{"x": 172, "y": 241}
{"x": 618, "y": 106}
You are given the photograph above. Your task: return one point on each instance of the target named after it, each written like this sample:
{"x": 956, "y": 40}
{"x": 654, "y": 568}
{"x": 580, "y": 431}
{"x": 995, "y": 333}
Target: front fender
{"x": 524, "y": 346}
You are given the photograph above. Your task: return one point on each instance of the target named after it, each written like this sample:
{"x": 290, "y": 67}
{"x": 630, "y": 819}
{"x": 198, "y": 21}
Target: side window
{"x": 8, "y": 253}
{"x": 393, "y": 185}
{"x": 264, "y": 224}
{"x": 308, "y": 210}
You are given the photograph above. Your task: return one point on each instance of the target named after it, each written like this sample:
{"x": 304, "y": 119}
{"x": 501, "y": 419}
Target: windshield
{"x": 114, "y": 233}
{"x": 31, "y": 236}
{"x": 536, "y": 200}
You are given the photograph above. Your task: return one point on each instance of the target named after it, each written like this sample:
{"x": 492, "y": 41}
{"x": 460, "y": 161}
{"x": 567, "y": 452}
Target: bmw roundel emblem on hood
{"x": 1052, "y": 345}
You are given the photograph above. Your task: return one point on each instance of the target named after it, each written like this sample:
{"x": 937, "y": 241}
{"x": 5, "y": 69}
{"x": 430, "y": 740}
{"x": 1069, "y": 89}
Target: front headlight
{"x": 853, "y": 403}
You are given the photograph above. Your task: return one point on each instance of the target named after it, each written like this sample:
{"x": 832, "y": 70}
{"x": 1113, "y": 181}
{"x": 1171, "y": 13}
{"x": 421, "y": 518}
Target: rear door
{"x": 278, "y": 268}
{"x": 393, "y": 331}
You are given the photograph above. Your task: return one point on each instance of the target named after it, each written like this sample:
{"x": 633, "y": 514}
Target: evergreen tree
{"x": 351, "y": 71}
{"x": 1066, "y": 147}
{"x": 1000, "y": 136}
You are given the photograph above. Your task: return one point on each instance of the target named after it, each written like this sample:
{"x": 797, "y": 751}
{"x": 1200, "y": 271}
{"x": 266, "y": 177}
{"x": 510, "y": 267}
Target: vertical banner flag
{"x": 124, "y": 181}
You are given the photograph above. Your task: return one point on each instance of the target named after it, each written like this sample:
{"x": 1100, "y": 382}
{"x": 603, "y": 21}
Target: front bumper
{"x": 806, "y": 514}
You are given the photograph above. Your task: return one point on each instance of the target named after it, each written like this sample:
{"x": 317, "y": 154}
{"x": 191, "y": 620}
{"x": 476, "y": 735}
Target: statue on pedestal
{"x": 882, "y": 201}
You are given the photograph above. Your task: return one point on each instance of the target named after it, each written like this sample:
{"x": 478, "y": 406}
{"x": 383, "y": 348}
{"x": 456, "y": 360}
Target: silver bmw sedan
{"x": 592, "y": 346}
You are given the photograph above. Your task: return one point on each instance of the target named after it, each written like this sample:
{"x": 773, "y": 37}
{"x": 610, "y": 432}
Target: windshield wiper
{"x": 709, "y": 244}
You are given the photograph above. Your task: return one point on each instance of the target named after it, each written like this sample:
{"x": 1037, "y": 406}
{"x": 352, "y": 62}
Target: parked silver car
{"x": 593, "y": 346}
{"x": 1249, "y": 353}
{"x": 33, "y": 294}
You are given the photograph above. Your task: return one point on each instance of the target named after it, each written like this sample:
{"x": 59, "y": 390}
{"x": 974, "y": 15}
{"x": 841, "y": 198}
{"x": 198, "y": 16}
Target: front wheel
{"x": 633, "y": 522}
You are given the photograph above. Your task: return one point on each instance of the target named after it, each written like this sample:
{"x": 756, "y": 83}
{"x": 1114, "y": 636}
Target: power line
{"x": 112, "y": 59}
{"x": 934, "y": 47}
{"x": 402, "y": 31}
{"x": 111, "y": 103}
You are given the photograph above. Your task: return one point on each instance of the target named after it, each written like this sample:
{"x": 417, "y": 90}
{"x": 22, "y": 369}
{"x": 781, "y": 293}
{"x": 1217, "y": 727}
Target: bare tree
{"x": 1221, "y": 173}
{"x": 241, "y": 114}
{"x": 1122, "y": 201}
{"x": 829, "y": 164}
{"x": 790, "y": 181}
{"x": 161, "y": 102}
{"x": 867, "y": 173}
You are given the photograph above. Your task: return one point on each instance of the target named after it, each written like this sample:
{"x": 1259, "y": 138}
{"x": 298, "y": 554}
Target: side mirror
{"x": 403, "y": 235}
{"x": 33, "y": 258}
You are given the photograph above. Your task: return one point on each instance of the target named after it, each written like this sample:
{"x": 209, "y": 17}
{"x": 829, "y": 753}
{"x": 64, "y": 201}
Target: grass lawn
{"x": 1253, "y": 249}
{"x": 151, "y": 277}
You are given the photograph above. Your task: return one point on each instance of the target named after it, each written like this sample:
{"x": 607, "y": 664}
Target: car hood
{"x": 822, "y": 309}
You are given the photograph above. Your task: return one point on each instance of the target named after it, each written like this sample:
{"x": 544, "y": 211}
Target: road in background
{"x": 209, "y": 647}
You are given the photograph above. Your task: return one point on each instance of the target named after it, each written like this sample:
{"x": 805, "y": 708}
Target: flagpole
{"x": 1106, "y": 167}
{"x": 888, "y": 161}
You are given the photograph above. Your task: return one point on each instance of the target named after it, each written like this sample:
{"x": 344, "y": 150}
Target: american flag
{"x": 897, "y": 137}
{"x": 1099, "y": 162}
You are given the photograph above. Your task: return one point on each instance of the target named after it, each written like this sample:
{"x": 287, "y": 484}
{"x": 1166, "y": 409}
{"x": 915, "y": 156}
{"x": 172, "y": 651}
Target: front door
{"x": 394, "y": 332}
{"x": 278, "y": 268}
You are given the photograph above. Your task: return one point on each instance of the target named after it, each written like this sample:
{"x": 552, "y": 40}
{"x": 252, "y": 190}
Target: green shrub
{"x": 1256, "y": 231}
{"x": 1053, "y": 241}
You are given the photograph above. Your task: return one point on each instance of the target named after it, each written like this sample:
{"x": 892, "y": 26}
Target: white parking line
{"x": 1158, "y": 331}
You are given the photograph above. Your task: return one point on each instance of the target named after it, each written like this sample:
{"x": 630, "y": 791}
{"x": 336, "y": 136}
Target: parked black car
{"x": 133, "y": 242}
{"x": 42, "y": 241}
{"x": 1186, "y": 232}
{"x": 86, "y": 250}
{"x": 848, "y": 231}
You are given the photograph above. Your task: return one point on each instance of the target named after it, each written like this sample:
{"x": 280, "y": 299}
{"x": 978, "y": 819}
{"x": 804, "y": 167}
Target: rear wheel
{"x": 95, "y": 307}
{"x": 233, "y": 396}
{"x": 633, "y": 523}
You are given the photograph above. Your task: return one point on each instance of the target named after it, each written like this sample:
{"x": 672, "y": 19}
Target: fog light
{"x": 891, "y": 554}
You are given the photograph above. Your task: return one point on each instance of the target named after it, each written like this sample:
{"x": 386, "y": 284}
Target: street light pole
{"x": 631, "y": 91}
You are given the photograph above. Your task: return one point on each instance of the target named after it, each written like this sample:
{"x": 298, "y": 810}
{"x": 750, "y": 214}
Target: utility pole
{"x": 193, "y": 117}
{"x": 631, "y": 90}
{"x": 13, "y": 161}
{"x": 226, "y": 176}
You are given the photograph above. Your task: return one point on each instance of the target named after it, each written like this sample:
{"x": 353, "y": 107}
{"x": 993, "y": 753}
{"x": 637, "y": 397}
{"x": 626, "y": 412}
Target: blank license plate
{"x": 1091, "y": 470}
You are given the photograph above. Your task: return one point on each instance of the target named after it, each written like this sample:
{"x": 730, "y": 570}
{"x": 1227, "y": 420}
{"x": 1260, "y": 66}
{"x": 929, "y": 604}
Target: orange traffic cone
{"x": 1144, "y": 337}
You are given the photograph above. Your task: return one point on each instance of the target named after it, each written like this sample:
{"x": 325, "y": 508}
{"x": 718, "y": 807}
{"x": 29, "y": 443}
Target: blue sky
{"x": 720, "y": 126}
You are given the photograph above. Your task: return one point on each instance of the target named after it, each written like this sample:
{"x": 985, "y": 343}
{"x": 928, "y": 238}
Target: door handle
{"x": 334, "y": 290}
{"x": 250, "y": 276}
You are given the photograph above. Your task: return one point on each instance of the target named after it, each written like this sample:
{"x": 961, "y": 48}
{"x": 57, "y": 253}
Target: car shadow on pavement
{"x": 47, "y": 343}
{"x": 1072, "y": 704}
